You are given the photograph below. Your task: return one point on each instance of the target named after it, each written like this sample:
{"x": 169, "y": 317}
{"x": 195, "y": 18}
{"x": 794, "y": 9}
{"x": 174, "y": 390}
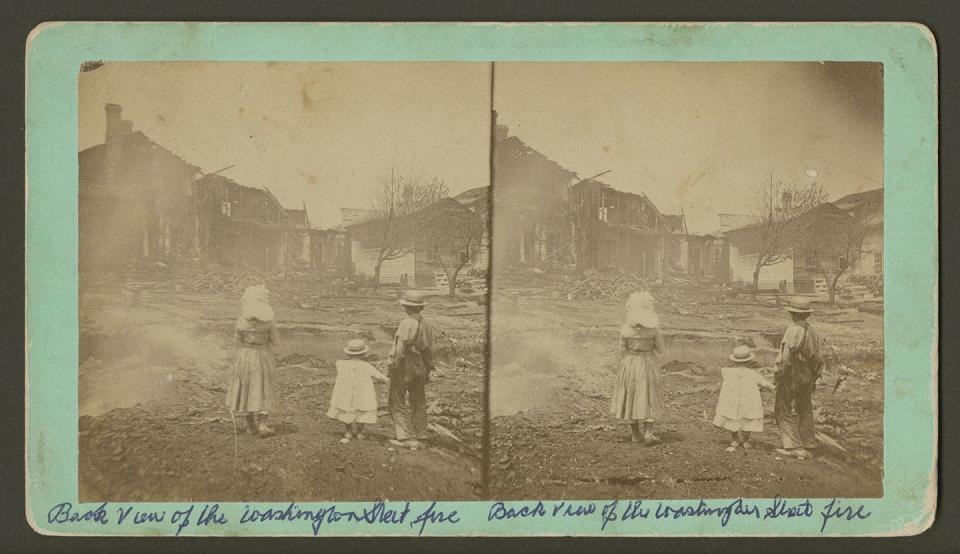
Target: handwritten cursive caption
{"x": 614, "y": 516}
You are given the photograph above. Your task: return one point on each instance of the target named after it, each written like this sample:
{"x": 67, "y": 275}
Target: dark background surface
{"x": 20, "y": 17}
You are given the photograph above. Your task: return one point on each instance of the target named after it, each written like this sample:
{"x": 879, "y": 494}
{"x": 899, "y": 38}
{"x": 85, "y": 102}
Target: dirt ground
{"x": 153, "y": 427}
{"x": 553, "y": 370}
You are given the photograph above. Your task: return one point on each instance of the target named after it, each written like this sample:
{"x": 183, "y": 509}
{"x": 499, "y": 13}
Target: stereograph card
{"x": 481, "y": 279}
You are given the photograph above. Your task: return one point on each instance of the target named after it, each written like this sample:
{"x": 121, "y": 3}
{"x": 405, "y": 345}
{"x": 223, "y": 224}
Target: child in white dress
{"x": 353, "y": 400}
{"x": 740, "y": 408}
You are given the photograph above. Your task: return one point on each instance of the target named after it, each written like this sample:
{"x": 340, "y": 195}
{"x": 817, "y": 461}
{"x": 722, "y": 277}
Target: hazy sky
{"x": 697, "y": 135}
{"x": 324, "y": 134}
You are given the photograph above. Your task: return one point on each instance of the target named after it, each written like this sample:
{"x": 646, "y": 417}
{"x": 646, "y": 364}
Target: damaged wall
{"x": 330, "y": 252}
{"x": 134, "y": 203}
{"x": 530, "y": 199}
{"x": 618, "y": 229}
{"x": 239, "y": 224}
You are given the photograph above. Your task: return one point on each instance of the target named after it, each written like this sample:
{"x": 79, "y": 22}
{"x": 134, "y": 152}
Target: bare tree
{"x": 398, "y": 198}
{"x": 832, "y": 240}
{"x": 778, "y": 224}
{"x": 453, "y": 236}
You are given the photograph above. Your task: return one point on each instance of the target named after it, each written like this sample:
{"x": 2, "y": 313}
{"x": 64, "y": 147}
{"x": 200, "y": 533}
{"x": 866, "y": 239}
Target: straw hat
{"x": 640, "y": 310}
{"x": 742, "y": 354}
{"x": 254, "y": 303}
{"x": 799, "y": 306}
{"x": 413, "y": 298}
{"x": 356, "y": 347}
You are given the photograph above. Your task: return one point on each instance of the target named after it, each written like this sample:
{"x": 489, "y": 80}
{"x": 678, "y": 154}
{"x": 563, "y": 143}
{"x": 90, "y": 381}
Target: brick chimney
{"x": 116, "y": 126}
{"x": 500, "y": 133}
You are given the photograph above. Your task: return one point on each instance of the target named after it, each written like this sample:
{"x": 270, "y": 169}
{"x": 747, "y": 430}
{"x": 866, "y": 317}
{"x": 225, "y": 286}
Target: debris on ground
{"x": 154, "y": 363}
{"x": 679, "y": 366}
{"x": 594, "y": 285}
{"x": 555, "y": 360}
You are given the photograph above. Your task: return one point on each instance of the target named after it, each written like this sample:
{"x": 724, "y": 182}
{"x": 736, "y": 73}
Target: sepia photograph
{"x": 282, "y": 280}
{"x": 687, "y": 288}
{"x": 481, "y": 279}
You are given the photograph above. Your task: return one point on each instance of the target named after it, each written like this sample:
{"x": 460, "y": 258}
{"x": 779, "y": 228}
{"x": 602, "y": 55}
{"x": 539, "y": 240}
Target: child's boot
{"x": 251, "y": 424}
{"x": 262, "y": 427}
{"x": 734, "y": 443}
{"x": 358, "y": 431}
{"x": 648, "y": 436}
{"x": 635, "y": 436}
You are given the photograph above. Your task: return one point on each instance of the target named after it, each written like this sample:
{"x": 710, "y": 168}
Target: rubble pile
{"x": 310, "y": 291}
{"x": 672, "y": 294}
{"x": 221, "y": 280}
{"x": 594, "y": 285}
{"x": 616, "y": 283}
{"x": 184, "y": 276}
{"x": 591, "y": 284}
{"x": 192, "y": 276}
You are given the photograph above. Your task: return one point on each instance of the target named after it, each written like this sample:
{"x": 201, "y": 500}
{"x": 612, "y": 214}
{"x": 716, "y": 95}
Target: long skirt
{"x": 636, "y": 395}
{"x": 253, "y": 384}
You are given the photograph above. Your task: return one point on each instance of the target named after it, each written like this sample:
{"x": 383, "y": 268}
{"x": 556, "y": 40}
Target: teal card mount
{"x": 439, "y": 279}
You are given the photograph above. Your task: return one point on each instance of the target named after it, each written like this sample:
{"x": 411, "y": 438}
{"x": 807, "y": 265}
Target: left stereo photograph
{"x": 282, "y": 280}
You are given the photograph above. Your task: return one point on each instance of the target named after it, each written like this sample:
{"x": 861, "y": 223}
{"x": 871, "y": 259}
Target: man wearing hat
{"x": 799, "y": 364}
{"x": 411, "y": 361}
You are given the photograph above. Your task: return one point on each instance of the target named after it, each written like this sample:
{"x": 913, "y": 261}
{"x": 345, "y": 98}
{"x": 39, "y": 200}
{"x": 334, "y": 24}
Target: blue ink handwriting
{"x": 211, "y": 514}
{"x": 63, "y": 513}
{"x": 573, "y": 510}
{"x": 833, "y": 510}
{"x": 377, "y": 514}
{"x": 781, "y": 508}
{"x": 431, "y": 515}
{"x": 737, "y": 507}
{"x": 181, "y": 518}
{"x": 498, "y": 511}
{"x": 381, "y": 514}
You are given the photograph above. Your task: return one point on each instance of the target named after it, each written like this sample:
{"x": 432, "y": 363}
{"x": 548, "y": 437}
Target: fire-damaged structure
{"x": 135, "y": 199}
{"x": 240, "y": 224}
{"x": 140, "y": 201}
{"x": 531, "y": 204}
{"x": 547, "y": 216}
{"x": 299, "y": 241}
{"x": 330, "y": 252}
{"x": 620, "y": 229}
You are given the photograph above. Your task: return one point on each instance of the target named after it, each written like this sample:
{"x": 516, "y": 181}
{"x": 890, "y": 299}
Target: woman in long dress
{"x": 636, "y": 395}
{"x": 252, "y": 393}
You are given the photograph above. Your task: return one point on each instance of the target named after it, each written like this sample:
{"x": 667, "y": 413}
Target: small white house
{"x": 868, "y": 208}
{"x": 416, "y": 267}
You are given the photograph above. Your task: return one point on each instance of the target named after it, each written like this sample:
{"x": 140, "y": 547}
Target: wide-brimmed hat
{"x": 356, "y": 347}
{"x": 742, "y": 354}
{"x": 254, "y": 303}
{"x": 640, "y": 310}
{"x": 799, "y": 306}
{"x": 413, "y": 298}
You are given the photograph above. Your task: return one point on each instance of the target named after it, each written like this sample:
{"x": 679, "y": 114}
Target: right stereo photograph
{"x": 687, "y": 280}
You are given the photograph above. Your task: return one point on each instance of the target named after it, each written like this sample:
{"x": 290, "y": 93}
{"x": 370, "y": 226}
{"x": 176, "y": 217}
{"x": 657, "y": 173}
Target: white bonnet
{"x": 254, "y": 303}
{"x": 640, "y": 310}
